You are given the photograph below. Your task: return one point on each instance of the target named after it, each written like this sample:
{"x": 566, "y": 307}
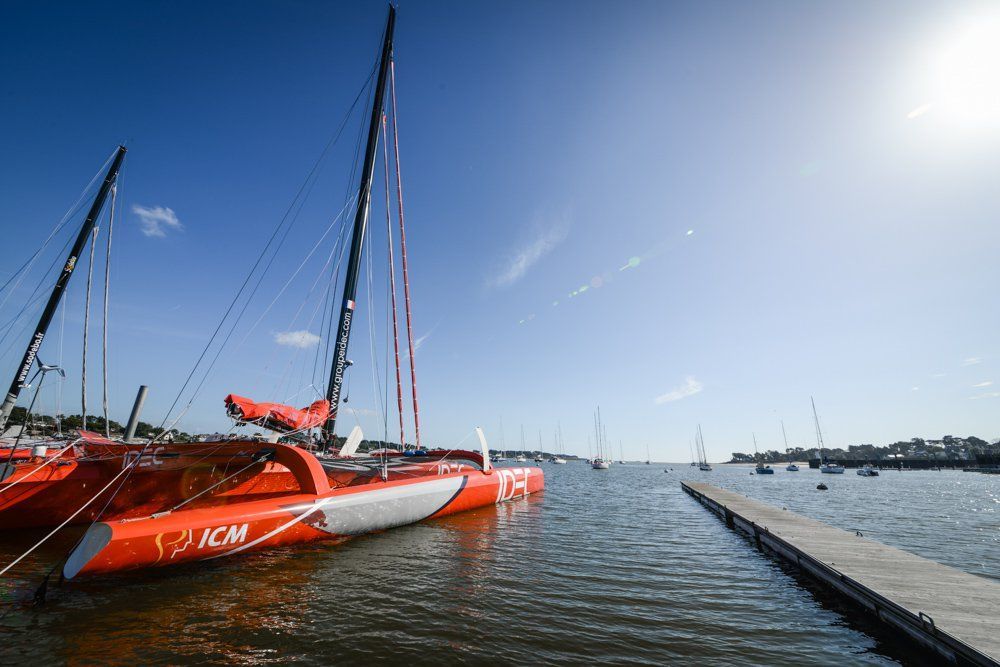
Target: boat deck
{"x": 955, "y": 613}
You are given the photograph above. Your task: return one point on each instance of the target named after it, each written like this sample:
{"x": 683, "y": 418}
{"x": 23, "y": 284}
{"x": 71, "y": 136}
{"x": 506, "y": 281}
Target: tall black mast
{"x": 57, "y": 292}
{"x": 358, "y": 238}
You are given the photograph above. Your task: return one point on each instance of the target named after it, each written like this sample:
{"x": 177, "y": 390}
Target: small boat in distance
{"x": 702, "y": 456}
{"x": 558, "y": 458}
{"x": 599, "y": 462}
{"x": 647, "y": 454}
{"x": 791, "y": 467}
{"x": 829, "y": 468}
{"x": 868, "y": 471}
{"x": 760, "y": 469}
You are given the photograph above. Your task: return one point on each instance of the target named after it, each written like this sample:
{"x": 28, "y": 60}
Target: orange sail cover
{"x": 276, "y": 416}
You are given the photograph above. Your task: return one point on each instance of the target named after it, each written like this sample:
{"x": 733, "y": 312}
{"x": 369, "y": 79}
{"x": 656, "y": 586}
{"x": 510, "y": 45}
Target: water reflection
{"x": 617, "y": 567}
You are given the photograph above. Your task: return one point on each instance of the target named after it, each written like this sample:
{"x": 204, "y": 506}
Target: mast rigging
{"x": 342, "y": 338}
{"x": 35, "y": 342}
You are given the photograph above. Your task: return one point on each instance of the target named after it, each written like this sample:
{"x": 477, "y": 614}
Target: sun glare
{"x": 966, "y": 75}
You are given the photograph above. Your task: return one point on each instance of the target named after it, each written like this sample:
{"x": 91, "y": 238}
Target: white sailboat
{"x": 600, "y": 462}
{"x": 791, "y": 467}
{"x": 559, "y": 445}
{"x": 829, "y": 468}
{"x": 702, "y": 456}
{"x": 521, "y": 458}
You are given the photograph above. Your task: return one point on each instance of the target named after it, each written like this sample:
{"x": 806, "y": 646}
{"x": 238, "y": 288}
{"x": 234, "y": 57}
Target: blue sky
{"x": 765, "y": 202}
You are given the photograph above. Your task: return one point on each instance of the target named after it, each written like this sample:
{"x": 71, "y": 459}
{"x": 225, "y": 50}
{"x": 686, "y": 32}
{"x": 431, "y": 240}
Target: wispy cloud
{"x": 985, "y": 383}
{"x": 690, "y": 387}
{"x": 299, "y": 339}
{"x": 914, "y": 388}
{"x": 988, "y": 394}
{"x": 156, "y": 221}
{"x": 546, "y": 237}
{"x": 972, "y": 361}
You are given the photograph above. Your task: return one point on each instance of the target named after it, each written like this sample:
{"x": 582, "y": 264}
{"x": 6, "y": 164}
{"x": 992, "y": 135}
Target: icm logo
{"x": 223, "y": 535}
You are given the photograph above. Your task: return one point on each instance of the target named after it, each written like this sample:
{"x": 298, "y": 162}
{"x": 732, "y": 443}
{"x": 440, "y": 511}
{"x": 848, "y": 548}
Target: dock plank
{"x": 904, "y": 589}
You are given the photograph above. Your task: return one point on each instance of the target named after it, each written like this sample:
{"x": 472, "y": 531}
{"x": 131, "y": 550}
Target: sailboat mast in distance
{"x": 357, "y": 239}
{"x": 24, "y": 368}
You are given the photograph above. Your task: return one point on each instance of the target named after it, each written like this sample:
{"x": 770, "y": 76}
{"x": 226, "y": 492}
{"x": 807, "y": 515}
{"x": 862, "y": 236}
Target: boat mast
{"x": 819, "y": 433}
{"x": 18, "y": 383}
{"x": 340, "y": 362}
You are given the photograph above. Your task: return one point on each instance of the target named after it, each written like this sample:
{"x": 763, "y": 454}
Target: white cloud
{"x": 986, "y": 383}
{"x": 914, "y": 388}
{"x": 919, "y": 111}
{"x": 519, "y": 262}
{"x": 689, "y": 388}
{"x": 972, "y": 361}
{"x": 988, "y": 394}
{"x": 157, "y": 220}
{"x": 300, "y": 339}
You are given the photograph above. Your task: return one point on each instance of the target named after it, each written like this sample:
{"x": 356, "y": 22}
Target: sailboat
{"x": 621, "y": 453}
{"x": 599, "y": 462}
{"x": 647, "y": 455}
{"x": 521, "y": 458}
{"x": 760, "y": 468}
{"x": 558, "y": 459}
{"x": 702, "y": 456}
{"x": 829, "y": 468}
{"x": 332, "y": 495}
{"x": 791, "y": 467}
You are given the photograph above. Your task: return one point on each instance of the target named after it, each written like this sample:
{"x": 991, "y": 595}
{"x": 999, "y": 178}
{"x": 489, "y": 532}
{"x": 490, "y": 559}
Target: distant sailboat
{"x": 791, "y": 467}
{"x": 829, "y": 468}
{"x": 760, "y": 469}
{"x": 702, "y": 456}
{"x": 558, "y": 458}
{"x": 521, "y": 458}
{"x": 600, "y": 462}
{"x": 647, "y": 454}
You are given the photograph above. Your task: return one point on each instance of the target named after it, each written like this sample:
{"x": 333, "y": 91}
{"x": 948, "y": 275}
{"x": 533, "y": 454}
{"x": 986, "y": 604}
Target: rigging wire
{"x": 67, "y": 216}
{"x": 86, "y": 327}
{"x": 107, "y": 289}
{"x": 392, "y": 288}
{"x": 304, "y": 188}
{"x": 402, "y": 252}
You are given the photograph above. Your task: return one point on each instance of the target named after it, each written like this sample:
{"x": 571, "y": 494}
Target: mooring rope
{"x": 69, "y": 518}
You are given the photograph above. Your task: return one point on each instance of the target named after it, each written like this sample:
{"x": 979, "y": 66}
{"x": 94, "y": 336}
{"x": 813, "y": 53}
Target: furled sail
{"x": 276, "y": 416}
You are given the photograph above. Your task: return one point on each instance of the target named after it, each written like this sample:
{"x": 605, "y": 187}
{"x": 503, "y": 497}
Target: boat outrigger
{"x": 178, "y": 502}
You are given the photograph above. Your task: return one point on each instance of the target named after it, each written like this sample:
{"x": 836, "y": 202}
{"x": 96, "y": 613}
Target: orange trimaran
{"x": 166, "y": 503}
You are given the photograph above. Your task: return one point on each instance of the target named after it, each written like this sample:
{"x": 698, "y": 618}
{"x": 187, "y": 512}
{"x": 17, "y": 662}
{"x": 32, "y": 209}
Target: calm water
{"x": 618, "y": 566}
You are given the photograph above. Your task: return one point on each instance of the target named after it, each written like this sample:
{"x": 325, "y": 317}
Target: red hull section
{"x": 439, "y": 488}
{"x": 46, "y": 492}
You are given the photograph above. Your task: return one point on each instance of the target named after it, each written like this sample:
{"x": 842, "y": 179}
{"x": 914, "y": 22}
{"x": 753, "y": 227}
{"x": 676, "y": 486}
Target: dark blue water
{"x": 619, "y": 567}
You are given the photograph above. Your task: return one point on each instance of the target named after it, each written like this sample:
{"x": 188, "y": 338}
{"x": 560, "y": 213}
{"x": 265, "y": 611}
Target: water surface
{"x": 619, "y": 567}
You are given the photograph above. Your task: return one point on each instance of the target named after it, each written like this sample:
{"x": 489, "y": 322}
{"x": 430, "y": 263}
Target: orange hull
{"x": 36, "y": 495}
{"x": 440, "y": 489}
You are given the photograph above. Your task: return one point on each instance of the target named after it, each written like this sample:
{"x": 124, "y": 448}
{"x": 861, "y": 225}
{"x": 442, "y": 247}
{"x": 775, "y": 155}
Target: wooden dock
{"x": 955, "y": 613}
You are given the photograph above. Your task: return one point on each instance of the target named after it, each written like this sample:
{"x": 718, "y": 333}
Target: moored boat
{"x": 179, "y": 502}
{"x": 335, "y": 500}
